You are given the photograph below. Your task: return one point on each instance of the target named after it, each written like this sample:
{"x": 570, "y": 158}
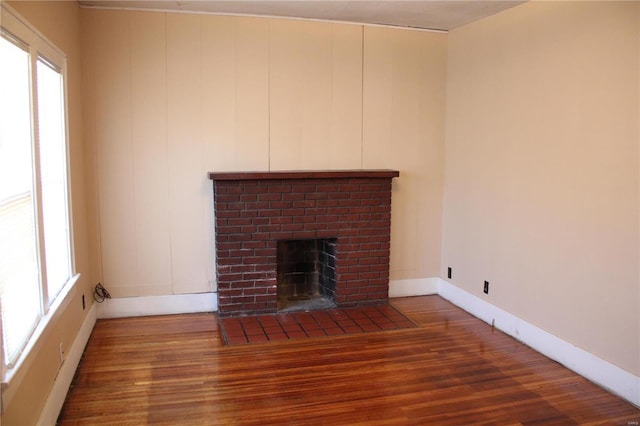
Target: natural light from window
{"x": 53, "y": 166}
{"x": 19, "y": 276}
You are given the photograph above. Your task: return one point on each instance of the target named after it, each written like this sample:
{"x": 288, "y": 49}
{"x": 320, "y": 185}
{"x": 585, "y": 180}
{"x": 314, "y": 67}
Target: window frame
{"x": 39, "y": 48}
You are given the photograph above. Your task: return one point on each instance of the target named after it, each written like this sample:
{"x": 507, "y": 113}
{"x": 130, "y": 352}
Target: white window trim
{"x": 39, "y": 45}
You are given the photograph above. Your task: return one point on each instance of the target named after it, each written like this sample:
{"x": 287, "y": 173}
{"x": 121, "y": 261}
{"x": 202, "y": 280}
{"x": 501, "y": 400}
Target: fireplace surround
{"x": 347, "y": 213}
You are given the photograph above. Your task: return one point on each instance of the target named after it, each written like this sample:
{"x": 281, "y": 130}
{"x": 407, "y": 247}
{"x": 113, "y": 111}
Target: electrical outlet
{"x": 449, "y": 273}
{"x": 486, "y": 287}
{"x": 61, "y": 348}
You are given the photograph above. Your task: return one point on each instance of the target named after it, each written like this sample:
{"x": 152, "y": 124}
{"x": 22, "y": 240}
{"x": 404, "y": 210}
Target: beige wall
{"x": 60, "y": 23}
{"x": 170, "y": 97}
{"x": 541, "y": 189}
{"x": 541, "y": 176}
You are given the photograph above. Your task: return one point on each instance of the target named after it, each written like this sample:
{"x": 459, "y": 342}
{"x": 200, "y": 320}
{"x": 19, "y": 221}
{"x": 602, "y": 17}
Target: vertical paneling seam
{"x": 168, "y": 183}
{"x": 235, "y": 91}
{"x": 96, "y": 161}
{"x": 362, "y": 50}
{"x": 133, "y": 154}
{"x": 203, "y": 161}
{"x": 332, "y": 93}
{"x": 269, "y": 94}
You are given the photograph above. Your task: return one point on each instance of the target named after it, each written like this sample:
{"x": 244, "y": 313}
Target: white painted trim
{"x": 62, "y": 382}
{"x": 599, "y": 371}
{"x": 611, "y": 377}
{"x": 253, "y": 15}
{"x": 158, "y": 305}
{"x": 414, "y": 287}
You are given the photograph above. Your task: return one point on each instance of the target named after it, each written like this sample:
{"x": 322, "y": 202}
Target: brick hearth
{"x": 255, "y": 210}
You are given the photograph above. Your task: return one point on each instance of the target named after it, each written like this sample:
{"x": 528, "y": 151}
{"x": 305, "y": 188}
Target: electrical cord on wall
{"x": 100, "y": 293}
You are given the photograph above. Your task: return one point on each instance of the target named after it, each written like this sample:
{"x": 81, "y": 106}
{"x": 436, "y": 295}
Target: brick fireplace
{"x": 346, "y": 211}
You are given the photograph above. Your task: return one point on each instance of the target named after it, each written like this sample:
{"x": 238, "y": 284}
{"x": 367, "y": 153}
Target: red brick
{"x": 226, "y": 198}
{"x": 374, "y": 231}
{"x": 328, "y": 203}
{"x": 269, "y": 228}
{"x": 293, "y": 227}
{"x": 360, "y": 180}
{"x": 270, "y": 197}
{"x": 317, "y": 196}
{"x": 329, "y": 233}
{"x": 293, "y": 212}
{"x": 360, "y": 195}
{"x": 347, "y": 218}
{"x": 350, "y": 233}
{"x": 248, "y": 198}
{"x": 378, "y": 186}
{"x": 281, "y": 204}
{"x": 303, "y": 188}
{"x": 280, "y": 188}
{"x": 360, "y": 239}
{"x": 269, "y": 213}
{"x": 348, "y": 188}
{"x": 315, "y": 226}
{"x": 254, "y": 244}
{"x": 251, "y": 189}
{"x": 293, "y": 196}
{"x": 369, "y": 275}
{"x": 304, "y": 219}
{"x": 227, "y": 213}
{"x": 328, "y": 187}
{"x": 234, "y": 189}
{"x": 380, "y": 253}
{"x": 360, "y": 221}
{"x": 228, "y": 246}
{"x": 358, "y": 210}
{"x": 248, "y": 229}
{"x": 379, "y": 267}
{"x": 381, "y": 209}
{"x": 281, "y": 219}
{"x": 280, "y": 235}
{"x": 239, "y": 221}
{"x": 301, "y": 235}
{"x": 338, "y": 196}
{"x": 240, "y": 253}
{"x": 358, "y": 267}
{"x": 304, "y": 204}
{"x": 258, "y": 276}
{"x": 258, "y": 205}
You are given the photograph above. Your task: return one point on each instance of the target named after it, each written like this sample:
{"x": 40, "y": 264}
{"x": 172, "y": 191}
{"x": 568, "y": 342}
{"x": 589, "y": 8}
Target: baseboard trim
{"x": 611, "y": 377}
{"x": 158, "y": 305}
{"x": 57, "y": 395}
{"x": 413, "y": 287}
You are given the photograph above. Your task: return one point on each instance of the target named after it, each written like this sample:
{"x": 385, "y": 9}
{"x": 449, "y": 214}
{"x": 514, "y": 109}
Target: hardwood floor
{"x": 452, "y": 370}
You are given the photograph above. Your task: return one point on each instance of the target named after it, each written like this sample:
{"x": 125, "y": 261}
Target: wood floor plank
{"x": 451, "y": 370}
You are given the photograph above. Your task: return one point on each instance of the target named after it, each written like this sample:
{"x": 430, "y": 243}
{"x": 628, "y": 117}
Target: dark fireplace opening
{"x": 306, "y": 277}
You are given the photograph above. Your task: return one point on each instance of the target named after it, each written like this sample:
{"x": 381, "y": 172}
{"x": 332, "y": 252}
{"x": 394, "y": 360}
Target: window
{"x": 35, "y": 236}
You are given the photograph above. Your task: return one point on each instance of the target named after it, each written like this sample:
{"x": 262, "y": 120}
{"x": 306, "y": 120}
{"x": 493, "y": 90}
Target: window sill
{"x": 12, "y": 377}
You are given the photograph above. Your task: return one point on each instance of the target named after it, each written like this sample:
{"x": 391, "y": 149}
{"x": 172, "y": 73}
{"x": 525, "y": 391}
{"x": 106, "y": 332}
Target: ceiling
{"x": 426, "y": 14}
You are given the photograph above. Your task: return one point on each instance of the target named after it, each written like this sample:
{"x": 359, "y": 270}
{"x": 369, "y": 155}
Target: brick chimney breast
{"x": 256, "y": 210}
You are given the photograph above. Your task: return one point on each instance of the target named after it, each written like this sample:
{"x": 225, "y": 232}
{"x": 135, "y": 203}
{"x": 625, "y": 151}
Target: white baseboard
{"x": 158, "y": 305}
{"x": 62, "y": 382}
{"x": 599, "y": 371}
{"x": 414, "y": 287}
{"x": 609, "y": 376}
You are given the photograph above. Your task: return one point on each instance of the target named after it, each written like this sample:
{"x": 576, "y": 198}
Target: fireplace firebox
{"x": 301, "y": 239}
{"x": 305, "y": 271}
